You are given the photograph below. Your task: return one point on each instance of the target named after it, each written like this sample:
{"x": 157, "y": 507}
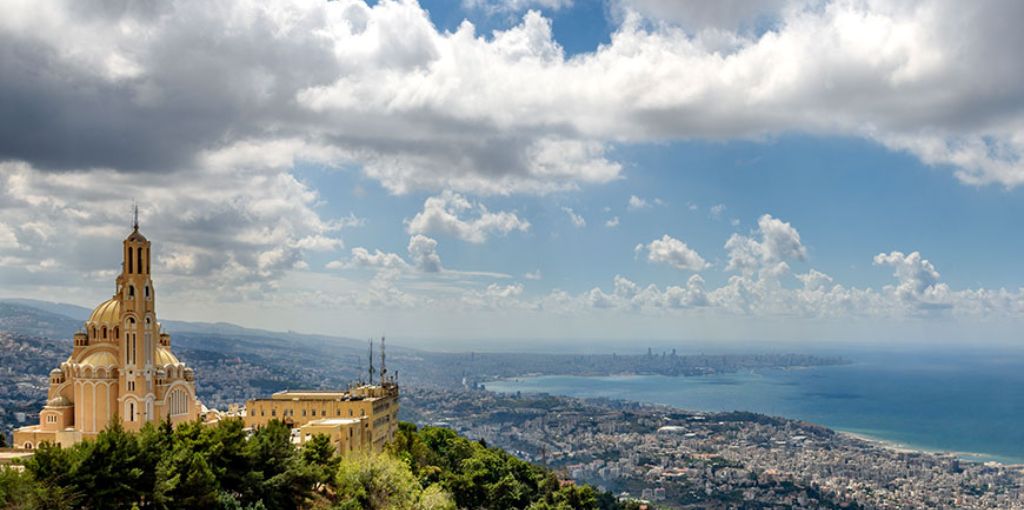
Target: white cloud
{"x": 612, "y": 223}
{"x": 699, "y": 15}
{"x": 416, "y": 108}
{"x": 423, "y": 254}
{"x": 576, "y": 219}
{"x": 636, "y": 203}
{"x": 510, "y": 6}
{"x": 673, "y": 252}
{"x": 223, "y": 228}
{"x": 533, "y": 275}
{"x": 778, "y": 243}
{"x": 361, "y": 257}
{"x": 441, "y": 215}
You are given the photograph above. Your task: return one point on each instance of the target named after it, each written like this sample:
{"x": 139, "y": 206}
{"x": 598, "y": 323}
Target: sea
{"x": 967, "y": 403}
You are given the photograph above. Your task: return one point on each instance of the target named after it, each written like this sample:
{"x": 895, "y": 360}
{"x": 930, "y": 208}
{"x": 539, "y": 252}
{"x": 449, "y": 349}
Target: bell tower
{"x": 138, "y": 322}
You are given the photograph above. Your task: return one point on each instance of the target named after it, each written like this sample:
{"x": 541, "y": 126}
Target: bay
{"x": 969, "y": 403}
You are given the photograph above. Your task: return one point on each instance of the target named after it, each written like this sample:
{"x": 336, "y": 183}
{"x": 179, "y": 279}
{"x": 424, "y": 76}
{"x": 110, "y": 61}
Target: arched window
{"x": 131, "y": 411}
{"x": 177, "y": 402}
{"x": 147, "y": 291}
{"x": 131, "y": 291}
{"x": 130, "y": 258}
{"x": 28, "y": 446}
{"x": 130, "y": 341}
{"x": 104, "y": 332}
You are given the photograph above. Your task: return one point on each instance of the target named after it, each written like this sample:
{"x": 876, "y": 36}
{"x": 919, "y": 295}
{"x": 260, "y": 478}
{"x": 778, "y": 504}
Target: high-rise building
{"x": 121, "y": 366}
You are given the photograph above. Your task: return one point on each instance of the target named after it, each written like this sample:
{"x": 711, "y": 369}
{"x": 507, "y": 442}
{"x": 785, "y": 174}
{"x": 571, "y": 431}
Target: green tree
{"x": 377, "y": 482}
{"x": 320, "y": 455}
{"x": 109, "y": 471}
{"x": 279, "y": 478}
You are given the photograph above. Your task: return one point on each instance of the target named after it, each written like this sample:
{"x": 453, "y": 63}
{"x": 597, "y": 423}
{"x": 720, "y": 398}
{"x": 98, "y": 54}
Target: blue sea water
{"x": 968, "y": 403}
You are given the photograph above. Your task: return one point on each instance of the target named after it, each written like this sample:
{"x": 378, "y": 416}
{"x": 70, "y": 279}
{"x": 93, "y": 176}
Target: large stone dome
{"x": 108, "y": 313}
{"x": 99, "y": 359}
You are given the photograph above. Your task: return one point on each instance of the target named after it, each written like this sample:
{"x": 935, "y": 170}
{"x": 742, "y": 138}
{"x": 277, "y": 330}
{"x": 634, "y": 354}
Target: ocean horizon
{"x": 968, "y": 404}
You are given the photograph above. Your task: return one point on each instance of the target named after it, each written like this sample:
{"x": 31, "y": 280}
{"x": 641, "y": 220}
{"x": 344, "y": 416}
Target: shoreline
{"x": 889, "y": 444}
{"x": 867, "y": 437}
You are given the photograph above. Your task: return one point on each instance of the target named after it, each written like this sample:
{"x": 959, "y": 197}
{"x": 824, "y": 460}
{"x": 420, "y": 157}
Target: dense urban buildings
{"x": 121, "y": 366}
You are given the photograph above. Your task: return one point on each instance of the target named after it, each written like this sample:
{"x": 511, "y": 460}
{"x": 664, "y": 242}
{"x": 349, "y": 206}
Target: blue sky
{"x": 783, "y": 171}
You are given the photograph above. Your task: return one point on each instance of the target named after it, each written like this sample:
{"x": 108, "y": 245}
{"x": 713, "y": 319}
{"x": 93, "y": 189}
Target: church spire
{"x": 135, "y": 215}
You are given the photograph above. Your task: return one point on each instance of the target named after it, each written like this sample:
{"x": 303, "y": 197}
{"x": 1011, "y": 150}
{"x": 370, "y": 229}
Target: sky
{"x": 507, "y": 172}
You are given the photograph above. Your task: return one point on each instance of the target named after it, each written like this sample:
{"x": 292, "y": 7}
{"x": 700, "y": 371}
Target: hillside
{"x": 219, "y": 467}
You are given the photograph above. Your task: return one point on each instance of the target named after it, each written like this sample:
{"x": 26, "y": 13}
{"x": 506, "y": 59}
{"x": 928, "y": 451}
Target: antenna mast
{"x": 371, "y": 361}
{"x": 383, "y": 367}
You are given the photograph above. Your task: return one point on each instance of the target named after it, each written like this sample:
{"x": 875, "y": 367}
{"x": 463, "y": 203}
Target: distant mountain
{"x": 76, "y": 312}
{"x": 54, "y": 321}
{"x": 22, "y": 319}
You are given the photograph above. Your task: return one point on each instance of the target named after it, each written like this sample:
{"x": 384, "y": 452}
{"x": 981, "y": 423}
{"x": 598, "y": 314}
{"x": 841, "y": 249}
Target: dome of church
{"x": 59, "y": 401}
{"x": 108, "y": 312}
{"x": 165, "y": 357}
{"x": 99, "y": 359}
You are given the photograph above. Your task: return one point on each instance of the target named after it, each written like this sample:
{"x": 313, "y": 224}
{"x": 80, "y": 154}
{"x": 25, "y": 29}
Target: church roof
{"x": 100, "y": 359}
{"x": 165, "y": 357}
{"x": 136, "y": 235}
{"x": 108, "y": 312}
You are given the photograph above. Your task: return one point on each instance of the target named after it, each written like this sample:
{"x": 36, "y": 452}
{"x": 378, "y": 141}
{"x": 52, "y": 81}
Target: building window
{"x": 131, "y": 411}
{"x": 28, "y": 446}
{"x": 131, "y": 291}
{"x": 147, "y": 291}
{"x": 178, "y": 402}
{"x": 273, "y": 412}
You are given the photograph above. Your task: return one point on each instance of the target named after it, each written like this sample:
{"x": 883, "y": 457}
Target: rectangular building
{"x": 374, "y": 407}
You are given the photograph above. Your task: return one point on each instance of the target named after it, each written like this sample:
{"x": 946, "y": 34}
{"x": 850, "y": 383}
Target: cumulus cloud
{"x": 636, "y": 203}
{"x": 361, "y": 257}
{"x": 577, "y": 220}
{"x": 137, "y": 88}
{"x": 442, "y": 214}
{"x": 508, "y": 6}
{"x": 673, "y": 252}
{"x": 423, "y": 254}
{"x": 612, "y": 222}
{"x": 774, "y": 242}
{"x": 221, "y": 228}
{"x": 697, "y": 15}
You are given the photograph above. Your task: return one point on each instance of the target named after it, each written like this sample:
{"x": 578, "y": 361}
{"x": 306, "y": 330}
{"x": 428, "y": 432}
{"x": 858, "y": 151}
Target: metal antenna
{"x": 383, "y": 367}
{"x": 371, "y": 361}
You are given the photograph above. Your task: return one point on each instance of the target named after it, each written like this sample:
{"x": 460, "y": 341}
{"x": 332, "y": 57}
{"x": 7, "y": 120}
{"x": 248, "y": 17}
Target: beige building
{"x": 369, "y": 411}
{"x": 346, "y": 434}
{"x": 121, "y": 366}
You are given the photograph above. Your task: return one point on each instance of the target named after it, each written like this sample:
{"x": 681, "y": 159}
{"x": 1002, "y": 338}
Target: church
{"x": 121, "y": 366}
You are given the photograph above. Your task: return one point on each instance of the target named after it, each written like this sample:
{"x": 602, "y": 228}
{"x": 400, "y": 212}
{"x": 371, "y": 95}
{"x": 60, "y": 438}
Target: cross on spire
{"x": 135, "y": 215}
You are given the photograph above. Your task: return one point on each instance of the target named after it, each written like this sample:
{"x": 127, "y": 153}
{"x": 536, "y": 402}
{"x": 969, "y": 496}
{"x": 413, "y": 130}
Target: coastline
{"x": 892, "y": 445}
{"x": 866, "y": 436}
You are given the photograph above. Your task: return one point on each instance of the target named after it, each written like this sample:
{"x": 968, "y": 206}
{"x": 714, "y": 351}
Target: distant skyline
{"x": 783, "y": 172}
